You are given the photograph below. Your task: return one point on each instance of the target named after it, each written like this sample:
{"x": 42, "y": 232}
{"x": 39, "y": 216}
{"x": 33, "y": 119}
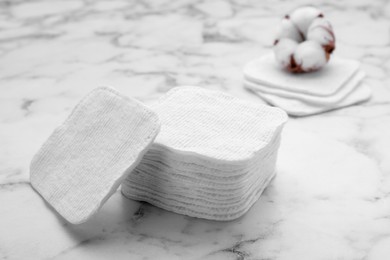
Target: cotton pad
{"x": 324, "y": 82}
{"x": 296, "y": 107}
{"x": 215, "y": 125}
{"x": 213, "y": 156}
{"x": 86, "y": 158}
{"x": 341, "y": 94}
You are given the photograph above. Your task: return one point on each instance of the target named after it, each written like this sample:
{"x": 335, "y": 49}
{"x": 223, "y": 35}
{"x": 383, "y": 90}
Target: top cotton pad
{"x": 214, "y": 125}
{"x": 324, "y": 82}
{"x": 85, "y": 159}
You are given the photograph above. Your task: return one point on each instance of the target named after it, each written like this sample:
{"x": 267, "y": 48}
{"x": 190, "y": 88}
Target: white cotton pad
{"x": 214, "y": 125}
{"x": 86, "y": 158}
{"x": 344, "y": 91}
{"x": 325, "y": 82}
{"x": 296, "y": 107}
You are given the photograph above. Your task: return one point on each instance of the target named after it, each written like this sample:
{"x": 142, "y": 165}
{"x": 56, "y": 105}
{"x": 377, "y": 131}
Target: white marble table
{"x": 331, "y": 197}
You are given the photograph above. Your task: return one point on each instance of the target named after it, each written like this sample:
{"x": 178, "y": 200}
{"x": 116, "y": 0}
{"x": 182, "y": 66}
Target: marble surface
{"x": 331, "y": 197}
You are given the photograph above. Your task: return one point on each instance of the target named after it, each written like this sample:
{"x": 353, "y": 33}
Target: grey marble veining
{"x": 331, "y": 197}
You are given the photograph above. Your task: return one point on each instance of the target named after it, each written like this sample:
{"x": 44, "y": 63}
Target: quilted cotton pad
{"x": 215, "y": 126}
{"x": 85, "y": 159}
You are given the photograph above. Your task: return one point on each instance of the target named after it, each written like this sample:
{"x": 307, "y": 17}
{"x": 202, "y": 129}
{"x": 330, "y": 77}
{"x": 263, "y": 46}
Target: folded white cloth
{"x": 86, "y": 158}
{"x": 213, "y": 157}
{"x": 324, "y": 82}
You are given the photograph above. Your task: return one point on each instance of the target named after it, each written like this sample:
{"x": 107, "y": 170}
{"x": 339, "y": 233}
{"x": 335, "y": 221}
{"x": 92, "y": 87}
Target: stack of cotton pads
{"x": 213, "y": 156}
{"x": 337, "y": 85}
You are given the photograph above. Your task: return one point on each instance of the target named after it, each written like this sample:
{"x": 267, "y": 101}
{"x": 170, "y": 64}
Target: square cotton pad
{"x": 214, "y": 125}
{"x": 324, "y": 82}
{"x": 86, "y": 158}
{"x": 213, "y": 157}
{"x": 333, "y": 100}
{"x": 296, "y": 107}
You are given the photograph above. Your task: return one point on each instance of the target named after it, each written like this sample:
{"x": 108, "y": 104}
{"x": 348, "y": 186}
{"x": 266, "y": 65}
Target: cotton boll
{"x": 289, "y": 30}
{"x": 310, "y": 56}
{"x": 304, "y": 24}
{"x": 283, "y": 51}
{"x": 321, "y": 31}
{"x": 303, "y": 17}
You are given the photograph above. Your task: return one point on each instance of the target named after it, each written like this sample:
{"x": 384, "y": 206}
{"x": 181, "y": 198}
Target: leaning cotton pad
{"x": 324, "y": 82}
{"x": 86, "y": 158}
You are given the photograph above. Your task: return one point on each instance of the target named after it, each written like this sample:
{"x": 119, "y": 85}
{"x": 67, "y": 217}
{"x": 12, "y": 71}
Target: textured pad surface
{"x": 324, "y": 82}
{"x": 214, "y": 125}
{"x": 85, "y": 159}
